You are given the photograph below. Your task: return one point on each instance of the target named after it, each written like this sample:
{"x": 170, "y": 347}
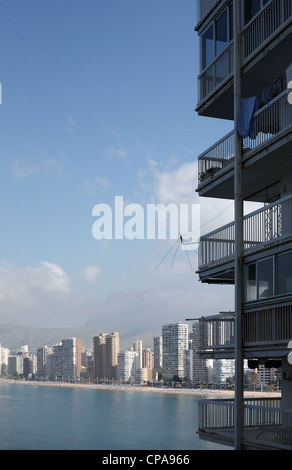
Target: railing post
{"x": 238, "y": 206}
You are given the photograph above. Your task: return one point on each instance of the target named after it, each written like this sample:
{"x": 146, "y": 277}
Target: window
{"x": 252, "y": 7}
{"x": 249, "y": 277}
{"x": 265, "y": 277}
{"x": 221, "y": 32}
{"x": 207, "y": 47}
{"x": 231, "y": 23}
{"x": 284, "y": 273}
{"x": 217, "y": 36}
{"x": 258, "y": 280}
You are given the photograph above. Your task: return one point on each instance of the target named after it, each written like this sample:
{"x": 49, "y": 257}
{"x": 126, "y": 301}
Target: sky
{"x": 98, "y": 102}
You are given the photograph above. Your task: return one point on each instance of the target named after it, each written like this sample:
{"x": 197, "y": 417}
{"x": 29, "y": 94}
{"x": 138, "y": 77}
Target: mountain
{"x": 134, "y": 314}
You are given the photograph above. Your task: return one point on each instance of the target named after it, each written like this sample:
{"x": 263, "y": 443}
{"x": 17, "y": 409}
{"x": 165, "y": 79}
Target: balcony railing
{"x": 268, "y": 22}
{"x": 203, "y": 7}
{"x": 261, "y": 327}
{"x": 255, "y": 35}
{"x": 217, "y": 157}
{"x": 268, "y": 224}
{"x": 269, "y": 123}
{"x": 218, "y": 71}
{"x": 266, "y": 425}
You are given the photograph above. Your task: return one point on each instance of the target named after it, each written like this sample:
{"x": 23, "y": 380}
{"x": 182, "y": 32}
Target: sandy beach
{"x": 202, "y": 392}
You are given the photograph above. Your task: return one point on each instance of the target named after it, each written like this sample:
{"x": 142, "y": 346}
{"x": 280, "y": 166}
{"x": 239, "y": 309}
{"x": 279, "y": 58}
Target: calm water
{"x": 49, "y": 418}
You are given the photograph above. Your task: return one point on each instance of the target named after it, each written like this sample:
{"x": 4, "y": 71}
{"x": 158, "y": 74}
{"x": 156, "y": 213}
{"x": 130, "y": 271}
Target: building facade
{"x": 105, "y": 355}
{"x": 245, "y": 77}
{"x": 174, "y": 343}
{"x": 128, "y": 366}
{"x": 42, "y": 354}
{"x": 67, "y": 360}
{"x": 157, "y": 350}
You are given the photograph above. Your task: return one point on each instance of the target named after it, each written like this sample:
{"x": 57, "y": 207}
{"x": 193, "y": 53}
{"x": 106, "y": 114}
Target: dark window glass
{"x": 284, "y": 273}
{"x": 265, "y": 278}
{"x": 207, "y": 47}
{"x": 251, "y": 8}
{"x": 250, "y": 291}
{"x": 221, "y": 28}
{"x": 231, "y": 22}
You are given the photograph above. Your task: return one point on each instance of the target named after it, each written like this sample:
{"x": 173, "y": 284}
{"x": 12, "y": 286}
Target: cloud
{"x": 40, "y": 295}
{"x": 178, "y": 186}
{"x": 47, "y": 166}
{"x": 97, "y": 183}
{"x": 117, "y": 153}
{"x": 20, "y": 172}
{"x": 90, "y": 274}
{"x": 71, "y": 124}
{"x": 16, "y": 282}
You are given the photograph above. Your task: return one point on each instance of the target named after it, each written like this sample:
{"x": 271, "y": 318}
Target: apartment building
{"x": 174, "y": 343}
{"x": 15, "y": 365}
{"x": 246, "y": 77}
{"x": 105, "y": 355}
{"x": 42, "y": 354}
{"x": 67, "y": 359}
{"x": 128, "y": 366}
{"x": 157, "y": 350}
{"x": 200, "y": 375}
{"x": 4, "y": 354}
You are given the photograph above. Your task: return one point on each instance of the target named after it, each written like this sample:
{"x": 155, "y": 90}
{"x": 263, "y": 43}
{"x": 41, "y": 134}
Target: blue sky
{"x": 98, "y": 100}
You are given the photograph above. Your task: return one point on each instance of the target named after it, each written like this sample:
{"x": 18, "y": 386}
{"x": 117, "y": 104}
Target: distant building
{"x": 148, "y": 358}
{"x": 15, "y": 365}
{"x": 4, "y": 354}
{"x": 137, "y": 346}
{"x": 29, "y": 366}
{"x": 157, "y": 348}
{"x": 42, "y": 354}
{"x": 174, "y": 342}
{"x": 128, "y": 365}
{"x": 105, "y": 355}
{"x": 200, "y": 366}
{"x": 67, "y": 359}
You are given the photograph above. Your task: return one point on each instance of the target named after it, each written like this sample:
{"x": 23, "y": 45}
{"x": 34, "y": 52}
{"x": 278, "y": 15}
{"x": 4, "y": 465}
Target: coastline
{"x": 204, "y": 392}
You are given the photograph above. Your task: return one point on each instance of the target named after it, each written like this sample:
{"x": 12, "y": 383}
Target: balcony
{"x": 272, "y": 141}
{"x": 265, "y": 40}
{"x": 266, "y": 424}
{"x": 271, "y": 224}
{"x": 266, "y": 332}
{"x": 204, "y": 7}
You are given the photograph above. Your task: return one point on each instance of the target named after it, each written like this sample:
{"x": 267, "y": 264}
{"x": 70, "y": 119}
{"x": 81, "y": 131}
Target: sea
{"x": 34, "y": 417}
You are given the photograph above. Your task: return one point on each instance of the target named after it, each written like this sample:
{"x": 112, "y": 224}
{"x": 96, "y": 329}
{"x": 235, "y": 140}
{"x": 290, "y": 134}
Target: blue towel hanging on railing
{"x": 248, "y": 106}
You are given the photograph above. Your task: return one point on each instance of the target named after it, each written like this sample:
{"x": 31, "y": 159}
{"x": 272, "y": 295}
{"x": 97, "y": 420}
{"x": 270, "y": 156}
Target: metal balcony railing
{"x": 269, "y": 123}
{"x": 218, "y": 71}
{"x": 260, "y": 327}
{"x": 256, "y": 34}
{"x": 203, "y": 7}
{"x": 263, "y": 26}
{"x": 217, "y": 157}
{"x": 266, "y": 425}
{"x": 268, "y": 224}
